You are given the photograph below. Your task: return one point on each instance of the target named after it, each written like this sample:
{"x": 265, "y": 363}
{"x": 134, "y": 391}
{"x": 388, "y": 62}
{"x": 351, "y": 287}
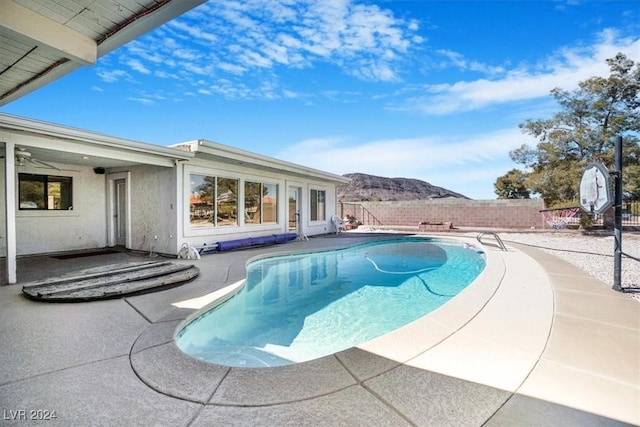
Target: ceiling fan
{"x": 23, "y": 157}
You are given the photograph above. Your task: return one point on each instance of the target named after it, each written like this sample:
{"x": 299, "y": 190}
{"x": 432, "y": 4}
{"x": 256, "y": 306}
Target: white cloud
{"x": 251, "y": 37}
{"x": 468, "y": 165}
{"x": 144, "y": 101}
{"x": 186, "y": 54}
{"x": 255, "y": 40}
{"x": 112, "y": 76}
{"x": 195, "y": 32}
{"x": 136, "y": 65}
{"x": 164, "y": 75}
{"x": 457, "y": 60}
{"x": 232, "y": 68}
{"x": 477, "y": 182}
{"x": 289, "y": 94}
{"x": 232, "y": 90}
{"x": 565, "y": 69}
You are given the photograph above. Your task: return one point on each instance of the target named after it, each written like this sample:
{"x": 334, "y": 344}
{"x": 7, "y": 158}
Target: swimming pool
{"x": 301, "y": 307}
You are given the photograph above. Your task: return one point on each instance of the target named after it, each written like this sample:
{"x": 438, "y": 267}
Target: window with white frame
{"x": 45, "y": 192}
{"x": 226, "y": 202}
{"x": 213, "y": 201}
{"x": 317, "y": 205}
{"x": 260, "y": 203}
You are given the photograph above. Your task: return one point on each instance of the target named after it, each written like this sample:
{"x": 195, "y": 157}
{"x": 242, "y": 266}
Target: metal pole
{"x": 617, "y": 227}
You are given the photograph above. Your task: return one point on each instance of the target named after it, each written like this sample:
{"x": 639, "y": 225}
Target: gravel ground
{"x": 591, "y": 253}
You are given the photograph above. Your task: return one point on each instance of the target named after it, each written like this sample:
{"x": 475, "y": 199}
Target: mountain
{"x": 365, "y": 187}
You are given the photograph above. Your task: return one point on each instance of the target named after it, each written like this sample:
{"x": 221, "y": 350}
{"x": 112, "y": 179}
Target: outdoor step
{"x": 96, "y": 272}
{"x": 118, "y": 280}
{"x": 124, "y": 288}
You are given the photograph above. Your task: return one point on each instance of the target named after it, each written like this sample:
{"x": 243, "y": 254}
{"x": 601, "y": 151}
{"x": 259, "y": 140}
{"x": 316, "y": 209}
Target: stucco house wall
{"x": 157, "y": 186}
{"x": 207, "y": 236}
{"x": 199, "y": 236}
{"x": 83, "y": 227}
{"x": 153, "y": 209}
{"x": 312, "y": 228}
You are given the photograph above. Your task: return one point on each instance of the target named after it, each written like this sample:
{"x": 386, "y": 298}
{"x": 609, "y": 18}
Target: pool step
{"x": 110, "y": 281}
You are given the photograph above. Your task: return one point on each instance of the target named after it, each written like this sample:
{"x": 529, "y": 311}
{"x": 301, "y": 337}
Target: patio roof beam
{"x": 44, "y": 31}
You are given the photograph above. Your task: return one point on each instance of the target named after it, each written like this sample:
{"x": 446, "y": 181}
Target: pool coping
{"x": 158, "y": 362}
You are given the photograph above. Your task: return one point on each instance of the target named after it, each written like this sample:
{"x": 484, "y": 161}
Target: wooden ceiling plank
{"x": 84, "y": 25}
{"x": 45, "y": 9}
{"x": 112, "y": 13}
{"x": 26, "y": 22}
{"x": 132, "y": 6}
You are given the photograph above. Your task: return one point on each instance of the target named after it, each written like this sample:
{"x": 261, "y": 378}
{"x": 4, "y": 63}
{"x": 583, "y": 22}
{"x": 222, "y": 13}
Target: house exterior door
{"x": 120, "y": 209}
{"x": 294, "y": 208}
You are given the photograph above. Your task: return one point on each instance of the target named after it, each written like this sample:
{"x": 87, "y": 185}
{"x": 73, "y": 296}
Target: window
{"x": 203, "y": 212}
{"x": 252, "y": 202}
{"x": 201, "y": 200}
{"x": 269, "y": 203}
{"x": 226, "y": 201}
{"x": 317, "y": 205}
{"x": 45, "y": 192}
{"x": 260, "y": 203}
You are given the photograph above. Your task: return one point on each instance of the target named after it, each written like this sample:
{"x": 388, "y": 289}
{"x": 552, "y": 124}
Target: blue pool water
{"x": 301, "y": 307}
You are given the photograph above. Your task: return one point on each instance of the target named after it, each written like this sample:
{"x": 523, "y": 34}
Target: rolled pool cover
{"x": 264, "y": 240}
{"x": 230, "y": 245}
{"x": 285, "y": 237}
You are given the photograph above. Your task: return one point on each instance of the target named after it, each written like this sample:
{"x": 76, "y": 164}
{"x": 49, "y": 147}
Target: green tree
{"x": 582, "y": 132}
{"x": 512, "y": 185}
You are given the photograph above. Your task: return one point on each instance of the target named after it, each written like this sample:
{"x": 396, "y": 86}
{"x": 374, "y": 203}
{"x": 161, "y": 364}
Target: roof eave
{"x": 15, "y": 123}
{"x": 143, "y": 24}
{"x": 146, "y": 23}
{"x": 247, "y": 157}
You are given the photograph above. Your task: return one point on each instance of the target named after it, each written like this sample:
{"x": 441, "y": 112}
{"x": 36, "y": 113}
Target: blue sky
{"x": 432, "y": 90}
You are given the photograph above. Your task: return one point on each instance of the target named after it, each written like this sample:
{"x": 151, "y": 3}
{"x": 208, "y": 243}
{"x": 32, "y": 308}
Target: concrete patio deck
{"x": 532, "y": 342}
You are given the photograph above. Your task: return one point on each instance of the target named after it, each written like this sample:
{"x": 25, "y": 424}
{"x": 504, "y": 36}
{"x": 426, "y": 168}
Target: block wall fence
{"x": 502, "y": 213}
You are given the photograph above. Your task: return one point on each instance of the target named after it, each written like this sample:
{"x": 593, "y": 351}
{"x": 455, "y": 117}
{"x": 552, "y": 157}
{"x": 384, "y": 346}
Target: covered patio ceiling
{"x": 43, "y": 40}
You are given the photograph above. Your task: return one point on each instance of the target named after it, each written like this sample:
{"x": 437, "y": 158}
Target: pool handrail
{"x": 501, "y": 245}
